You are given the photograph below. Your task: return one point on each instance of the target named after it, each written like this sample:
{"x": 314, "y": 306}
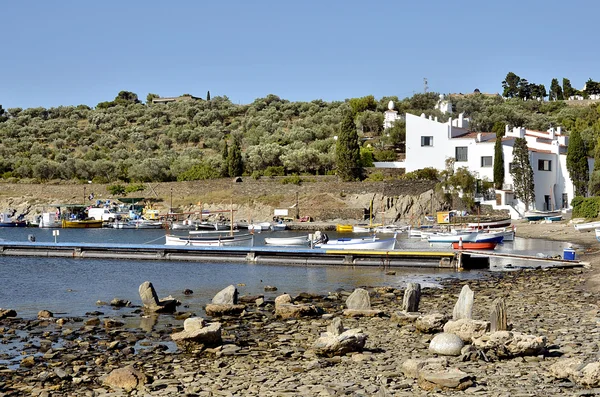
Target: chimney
{"x": 460, "y": 120}
{"x": 436, "y": 119}
{"x": 479, "y": 137}
{"x": 506, "y": 129}
{"x": 558, "y": 131}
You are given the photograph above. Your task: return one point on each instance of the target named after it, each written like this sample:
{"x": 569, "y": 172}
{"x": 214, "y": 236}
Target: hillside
{"x": 125, "y": 140}
{"x": 321, "y": 198}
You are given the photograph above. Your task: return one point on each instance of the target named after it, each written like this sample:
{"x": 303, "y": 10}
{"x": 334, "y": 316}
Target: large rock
{"x": 403, "y": 318}
{"x": 434, "y": 373}
{"x": 359, "y": 300}
{"x": 412, "y": 298}
{"x": 227, "y": 296}
{"x": 464, "y": 305}
{"x": 337, "y": 341}
{"x": 5, "y": 313}
{"x": 446, "y": 344}
{"x": 577, "y": 371}
{"x": 506, "y": 344}
{"x": 127, "y": 378}
{"x": 411, "y": 367}
{"x": 431, "y": 323}
{"x": 196, "y": 331}
{"x": 284, "y": 308}
{"x": 152, "y": 303}
{"x": 467, "y": 329}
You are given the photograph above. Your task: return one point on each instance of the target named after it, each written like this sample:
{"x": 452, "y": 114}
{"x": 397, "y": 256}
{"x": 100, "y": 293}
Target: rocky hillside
{"x": 321, "y": 198}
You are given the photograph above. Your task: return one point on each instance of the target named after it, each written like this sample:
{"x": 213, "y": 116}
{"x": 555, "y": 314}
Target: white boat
{"x": 587, "y": 227}
{"x": 50, "y": 219}
{"x": 259, "y": 226}
{"x": 489, "y": 224}
{"x": 390, "y": 229}
{"x": 209, "y": 232}
{"x": 597, "y": 234}
{"x": 296, "y": 240}
{"x": 369, "y": 243}
{"x": 535, "y": 215}
{"x": 210, "y": 241}
{"x": 452, "y": 237}
{"x": 137, "y": 224}
{"x": 363, "y": 228}
{"x": 278, "y": 226}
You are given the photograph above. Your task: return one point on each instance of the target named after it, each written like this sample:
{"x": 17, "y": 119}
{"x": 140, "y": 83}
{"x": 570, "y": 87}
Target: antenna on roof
{"x": 425, "y": 86}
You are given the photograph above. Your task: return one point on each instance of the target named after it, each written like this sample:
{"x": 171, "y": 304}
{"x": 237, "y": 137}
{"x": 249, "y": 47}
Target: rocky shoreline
{"x": 264, "y": 355}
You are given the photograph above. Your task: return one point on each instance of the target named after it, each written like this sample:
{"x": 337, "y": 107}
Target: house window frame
{"x": 424, "y": 141}
{"x": 461, "y": 159}
{"x": 542, "y": 163}
{"x": 491, "y": 161}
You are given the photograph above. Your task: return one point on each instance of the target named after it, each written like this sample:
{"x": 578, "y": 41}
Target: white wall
{"x": 418, "y": 157}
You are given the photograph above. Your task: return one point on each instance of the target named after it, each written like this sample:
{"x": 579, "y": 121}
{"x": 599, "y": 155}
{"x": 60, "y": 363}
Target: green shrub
{"x": 256, "y": 174}
{"x": 116, "y": 190}
{"x": 292, "y": 179}
{"x": 274, "y": 171}
{"x": 586, "y": 207}
{"x": 429, "y": 173}
{"x": 135, "y": 188}
{"x": 199, "y": 172}
{"x": 376, "y": 176}
{"x": 385, "y": 155}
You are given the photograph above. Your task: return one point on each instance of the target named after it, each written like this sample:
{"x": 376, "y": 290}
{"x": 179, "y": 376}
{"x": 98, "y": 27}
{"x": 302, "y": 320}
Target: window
{"x": 486, "y": 161}
{"x": 426, "y": 141}
{"x": 544, "y": 165}
{"x": 461, "y": 153}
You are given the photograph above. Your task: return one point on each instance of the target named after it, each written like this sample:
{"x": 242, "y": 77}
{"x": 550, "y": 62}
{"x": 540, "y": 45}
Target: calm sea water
{"x": 71, "y": 287}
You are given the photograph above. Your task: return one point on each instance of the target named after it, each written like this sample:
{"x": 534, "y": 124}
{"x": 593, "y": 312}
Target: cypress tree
{"x": 225, "y": 164}
{"x": 347, "y": 152}
{"x": 234, "y": 160}
{"x": 577, "y": 164}
{"x": 208, "y": 95}
{"x": 498, "y": 162}
{"x": 522, "y": 173}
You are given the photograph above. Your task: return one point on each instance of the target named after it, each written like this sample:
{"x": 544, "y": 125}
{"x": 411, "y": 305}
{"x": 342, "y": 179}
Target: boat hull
{"x": 300, "y": 240}
{"x": 13, "y": 224}
{"x": 352, "y": 244}
{"x": 490, "y": 224}
{"x": 86, "y": 224}
{"x": 221, "y": 241}
{"x": 474, "y": 245}
{"x": 587, "y": 227}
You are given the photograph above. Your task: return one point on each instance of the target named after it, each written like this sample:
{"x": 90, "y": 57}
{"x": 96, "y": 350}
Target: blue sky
{"x": 81, "y": 52}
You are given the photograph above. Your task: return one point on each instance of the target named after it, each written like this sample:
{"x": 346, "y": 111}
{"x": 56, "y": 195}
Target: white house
{"x": 390, "y": 116}
{"x": 429, "y": 143}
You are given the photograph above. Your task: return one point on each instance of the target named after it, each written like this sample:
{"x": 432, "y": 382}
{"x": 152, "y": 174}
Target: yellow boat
{"x": 81, "y": 224}
{"x": 344, "y": 228}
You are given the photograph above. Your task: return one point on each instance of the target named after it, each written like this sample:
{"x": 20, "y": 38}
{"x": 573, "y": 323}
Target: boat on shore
{"x": 210, "y": 241}
{"x": 587, "y": 227}
{"x": 296, "y": 240}
{"x": 597, "y": 231}
{"x": 489, "y": 224}
{"x": 481, "y": 242}
{"x": 535, "y": 215}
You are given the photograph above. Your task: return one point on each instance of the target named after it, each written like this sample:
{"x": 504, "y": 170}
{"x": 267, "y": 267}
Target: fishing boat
{"x": 481, "y": 242}
{"x": 587, "y": 227}
{"x": 137, "y": 224}
{"x": 279, "y": 226}
{"x": 489, "y": 224}
{"x": 296, "y": 240}
{"x": 452, "y": 237}
{"x": 81, "y": 223}
{"x": 367, "y": 243}
{"x": 259, "y": 226}
{"x": 535, "y": 215}
{"x": 390, "y": 229}
{"x": 344, "y": 228}
{"x": 7, "y": 221}
{"x": 210, "y": 241}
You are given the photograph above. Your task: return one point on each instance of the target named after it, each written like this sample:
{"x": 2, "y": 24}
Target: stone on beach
{"x": 464, "y": 305}
{"x": 434, "y": 373}
{"x": 498, "y": 317}
{"x": 152, "y": 303}
{"x": 45, "y": 315}
{"x": 431, "y": 323}
{"x": 575, "y": 370}
{"x": 337, "y": 341}
{"x": 359, "y": 305}
{"x": 195, "y": 330}
{"x": 227, "y": 296}
{"x": 5, "y": 313}
{"x": 446, "y": 344}
{"x": 507, "y": 344}
{"x": 126, "y": 378}
{"x": 284, "y": 308}
{"x": 412, "y": 298}
{"x": 467, "y": 329}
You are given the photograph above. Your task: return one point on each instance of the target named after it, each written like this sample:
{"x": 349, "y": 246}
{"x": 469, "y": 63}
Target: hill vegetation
{"x": 125, "y": 140}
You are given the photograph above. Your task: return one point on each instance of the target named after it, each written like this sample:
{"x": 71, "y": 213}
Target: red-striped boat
{"x": 480, "y": 243}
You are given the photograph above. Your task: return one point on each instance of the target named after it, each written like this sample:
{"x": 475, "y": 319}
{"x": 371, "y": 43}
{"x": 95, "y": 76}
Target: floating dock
{"x": 274, "y": 255}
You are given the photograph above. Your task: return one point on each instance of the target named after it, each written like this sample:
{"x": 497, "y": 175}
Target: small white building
{"x": 444, "y": 105}
{"x": 430, "y": 143}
